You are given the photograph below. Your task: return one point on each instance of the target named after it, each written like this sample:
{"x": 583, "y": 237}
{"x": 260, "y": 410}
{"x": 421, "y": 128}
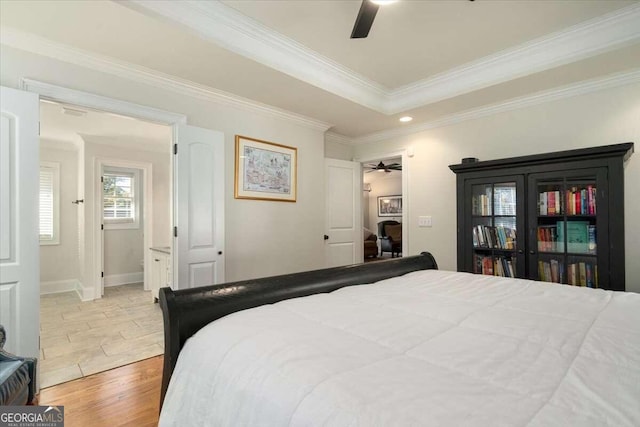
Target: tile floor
{"x": 81, "y": 338}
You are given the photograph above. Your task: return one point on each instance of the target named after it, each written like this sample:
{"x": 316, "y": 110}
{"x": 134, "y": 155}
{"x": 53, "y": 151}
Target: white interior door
{"x": 343, "y": 193}
{"x": 198, "y": 207}
{"x": 19, "y": 221}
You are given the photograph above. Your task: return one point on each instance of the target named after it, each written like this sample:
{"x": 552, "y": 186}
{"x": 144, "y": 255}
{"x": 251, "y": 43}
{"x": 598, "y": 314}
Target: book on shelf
{"x": 481, "y": 203}
{"x": 589, "y": 282}
{"x": 551, "y": 271}
{"x": 581, "y": 201}
{"x": 494, "y": 266}
{"x": 548, "y": 239}
{"x": 550, "y": 203}
{"x": 577, "y": 201}
{"x": 500, "y": 237}
{"x": 578, "y": 240}
{"x": 582, "y": 273}
{"x": 543, "y": 203}
{"x": 592, "y": 238}
{"x": 483, "y": 264}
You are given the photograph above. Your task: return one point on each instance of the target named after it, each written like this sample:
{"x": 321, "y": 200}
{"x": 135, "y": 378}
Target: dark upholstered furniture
{"x": 188, "y": 310}
{"x": 370, "y": 244}
{"x": 390, "y": 233}
{"x": 17, "y": 377}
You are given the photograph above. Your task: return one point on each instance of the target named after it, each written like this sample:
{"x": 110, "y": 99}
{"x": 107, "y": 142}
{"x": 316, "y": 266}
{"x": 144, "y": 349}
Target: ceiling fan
{"x": 366, "y": 15}
{"x": 364, "y": 20}
{"x": 383, "y": 168}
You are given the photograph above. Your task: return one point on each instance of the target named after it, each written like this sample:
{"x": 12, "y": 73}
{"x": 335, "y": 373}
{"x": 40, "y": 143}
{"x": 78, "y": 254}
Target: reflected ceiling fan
{"x": 381, "y": 167}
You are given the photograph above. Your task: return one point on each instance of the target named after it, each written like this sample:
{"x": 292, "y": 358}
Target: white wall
{"x": 60, "y": 262}
{"x": 600, "y": 118}
{"x": 123, "y": 251}
{"x": 262, "y": 238}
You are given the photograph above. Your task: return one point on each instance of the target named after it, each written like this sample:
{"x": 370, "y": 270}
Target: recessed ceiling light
{"x": 382, "y": 2}
{"x": 406, "y": 119}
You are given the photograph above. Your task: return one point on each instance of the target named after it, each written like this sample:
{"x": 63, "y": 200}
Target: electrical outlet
{"x": 424, "y": 221}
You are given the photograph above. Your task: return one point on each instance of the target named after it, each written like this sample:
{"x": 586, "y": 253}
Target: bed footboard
{"x": 186, "y": 311}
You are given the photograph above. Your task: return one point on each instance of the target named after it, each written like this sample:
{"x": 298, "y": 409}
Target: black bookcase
{"x": 555, "y": 217}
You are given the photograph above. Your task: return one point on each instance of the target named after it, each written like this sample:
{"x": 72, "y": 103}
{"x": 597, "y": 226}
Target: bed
{"x": 400, "y": 343}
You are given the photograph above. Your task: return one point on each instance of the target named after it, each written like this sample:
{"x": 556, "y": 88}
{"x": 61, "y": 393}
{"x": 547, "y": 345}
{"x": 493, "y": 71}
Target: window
{"x": 121, "y": 198}
{"x": 49, "y": 203}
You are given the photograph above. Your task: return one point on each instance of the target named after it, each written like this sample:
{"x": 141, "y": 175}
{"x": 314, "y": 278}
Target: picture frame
{"x": 265, "y": 170}
{"x": 390, "y": 206}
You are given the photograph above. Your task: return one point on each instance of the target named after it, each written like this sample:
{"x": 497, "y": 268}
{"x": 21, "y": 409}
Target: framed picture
{"x": 390, "y": 206}
{"x": 265, "y": 170}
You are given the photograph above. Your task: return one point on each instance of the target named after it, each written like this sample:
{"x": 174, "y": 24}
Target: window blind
{"x": 46, "y": 203}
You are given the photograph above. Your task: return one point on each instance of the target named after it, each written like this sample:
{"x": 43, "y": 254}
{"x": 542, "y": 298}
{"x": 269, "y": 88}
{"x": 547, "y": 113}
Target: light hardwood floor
{"x": 125, "y": 396}
{"x": 82, "y": 338}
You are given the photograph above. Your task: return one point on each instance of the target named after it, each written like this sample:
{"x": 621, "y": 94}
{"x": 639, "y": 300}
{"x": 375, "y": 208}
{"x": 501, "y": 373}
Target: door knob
{"x": 219, "y": 252}
{"x": 326, "y": 237}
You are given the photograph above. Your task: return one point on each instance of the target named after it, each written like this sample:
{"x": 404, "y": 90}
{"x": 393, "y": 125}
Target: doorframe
{"x": 405, "y": 155}
{"x": 112, "y": 105}
{"x": 146, "y": 169}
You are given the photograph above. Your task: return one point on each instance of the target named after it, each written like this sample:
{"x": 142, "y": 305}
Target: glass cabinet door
{"x": 563, "y": 228}
{"x": 494, "y": 227}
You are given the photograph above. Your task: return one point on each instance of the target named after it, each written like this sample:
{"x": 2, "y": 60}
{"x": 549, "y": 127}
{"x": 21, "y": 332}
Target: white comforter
{"x": 431, "y": 348}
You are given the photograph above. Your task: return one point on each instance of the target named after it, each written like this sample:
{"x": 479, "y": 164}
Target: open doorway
{"x": 382, "y": 208}
{"x": 105, "y": 169}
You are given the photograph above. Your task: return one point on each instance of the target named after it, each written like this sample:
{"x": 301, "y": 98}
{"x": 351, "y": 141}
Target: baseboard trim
{"x": 123, "y": 279}
{"x": 59, "y": 286}
{"x": 86, "y": 294}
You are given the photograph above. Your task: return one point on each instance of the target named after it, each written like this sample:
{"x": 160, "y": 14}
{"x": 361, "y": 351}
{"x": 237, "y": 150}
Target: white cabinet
{"x": 160, "y": 270}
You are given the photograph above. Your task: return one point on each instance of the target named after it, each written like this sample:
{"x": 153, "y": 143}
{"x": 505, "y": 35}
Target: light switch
{"x": 424, "y": 221}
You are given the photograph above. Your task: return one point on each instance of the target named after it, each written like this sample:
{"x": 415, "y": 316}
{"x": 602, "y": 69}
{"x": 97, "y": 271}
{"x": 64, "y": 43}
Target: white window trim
{"x": 124, "y": 224}
{"x": 55, "y": 240}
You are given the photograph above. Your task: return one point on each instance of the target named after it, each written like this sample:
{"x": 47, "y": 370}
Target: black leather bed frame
{"x": 186, "y": 311}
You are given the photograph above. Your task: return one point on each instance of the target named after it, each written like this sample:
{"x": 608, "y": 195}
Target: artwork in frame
{"x": 390, "y": 206}
{"x": 265, "y": 170}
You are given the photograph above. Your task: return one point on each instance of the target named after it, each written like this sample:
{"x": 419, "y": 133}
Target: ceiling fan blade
{"x": 364, "y": 20}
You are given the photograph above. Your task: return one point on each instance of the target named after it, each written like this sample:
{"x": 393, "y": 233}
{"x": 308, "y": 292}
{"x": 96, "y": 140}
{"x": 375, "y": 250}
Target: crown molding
{"x": 41, "y": 46}
{"x": 575, "y": 89}
{"x": 97, "y": 102}
{"x": 604, "y": 33}
{"x": 238, "y": 33}
{"x": 336, "y": 138}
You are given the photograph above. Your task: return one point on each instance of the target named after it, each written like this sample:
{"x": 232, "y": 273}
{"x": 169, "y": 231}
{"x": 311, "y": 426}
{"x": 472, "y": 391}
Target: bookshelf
{"x": 494, "y": 225}
{"x": 555, "y": 217}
